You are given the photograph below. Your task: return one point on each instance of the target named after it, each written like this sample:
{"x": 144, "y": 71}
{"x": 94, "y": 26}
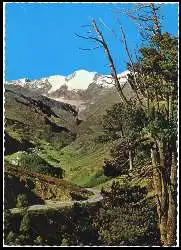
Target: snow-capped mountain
{"x": 79, "y": 80}
{"x": 78, "y": 89}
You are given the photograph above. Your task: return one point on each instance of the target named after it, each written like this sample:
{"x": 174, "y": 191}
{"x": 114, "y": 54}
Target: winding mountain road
{"x": 49, "y": 204}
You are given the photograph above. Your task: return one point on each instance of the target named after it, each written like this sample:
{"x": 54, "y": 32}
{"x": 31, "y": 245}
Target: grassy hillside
{"x": 38, "y": 187}
{"x": 31, "y": 161}
{"x": 91, "y": 116}
{"x": 55, "y": 130}
{"x": 33, "y": 118}
{"x": 82, "y": 160}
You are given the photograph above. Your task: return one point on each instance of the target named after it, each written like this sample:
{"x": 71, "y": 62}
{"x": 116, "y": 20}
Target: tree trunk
{"x": 161, "y": 189}
{"x": 172, "y": 222}
{"x": 165, "y": 181}
{"x": 130, "y": 160}
{"x": 156, "y": 181}
{"x": 172, "y": 211}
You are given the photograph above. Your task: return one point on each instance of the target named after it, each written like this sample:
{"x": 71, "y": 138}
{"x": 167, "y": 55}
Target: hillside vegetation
{"x": 120, "y": 141}
{"x": 33, "y": 118}
{"x": 48, "y": 126}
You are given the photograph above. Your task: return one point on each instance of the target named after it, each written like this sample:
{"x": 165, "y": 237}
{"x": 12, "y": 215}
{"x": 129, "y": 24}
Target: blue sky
{"x": 40, "y": 38}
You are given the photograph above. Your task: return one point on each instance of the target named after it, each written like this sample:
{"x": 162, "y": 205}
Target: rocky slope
{"x": 61, "y": 116}
{"x": 32, "y": 117}
{"x": 38, "y": 187}
{"x": 78, "y": 89}
{"x": 78, "y": 80}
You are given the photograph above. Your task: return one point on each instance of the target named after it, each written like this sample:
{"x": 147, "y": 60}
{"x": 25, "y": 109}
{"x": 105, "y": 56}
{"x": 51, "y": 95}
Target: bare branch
{"x": 148, "y": 18}
{"x": 89, "y": 38}
{"x": 155, "y": 20}
{"x": 89, "y": 32}
{"x": 111, "y": 30}
{"x": 84, "y": 37}
{"x": 124, "y": 85}
{"x": 139, "y": 7}
{"x": 86, "y": 25}
{"x": 140, "y": 18}
{"x": 91, "y": 48}
{"x": 112, "y": 65}
{"x": 100, "y": 39}
{"x": 131, "y": 63}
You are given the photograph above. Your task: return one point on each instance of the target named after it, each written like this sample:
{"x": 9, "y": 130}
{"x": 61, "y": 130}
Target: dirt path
{"x": 59, "y": 204}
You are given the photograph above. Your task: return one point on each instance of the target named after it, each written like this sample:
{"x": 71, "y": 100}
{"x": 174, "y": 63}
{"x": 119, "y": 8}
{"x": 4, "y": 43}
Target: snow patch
{"x": 56, "y": 82}
{"x": 80, "y": 79}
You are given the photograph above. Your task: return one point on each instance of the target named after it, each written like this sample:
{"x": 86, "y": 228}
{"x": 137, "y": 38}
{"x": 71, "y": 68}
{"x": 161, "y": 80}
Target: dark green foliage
{"x": 126, "y": 217}
{"x": 12, "y": 145}
{"x": 157, "y": 70}
{"x": 39, "y": 241}
{"x": 142, "y": 154}
{"x": 25, "y": 227}
{"x": 65, "y": 227}
{"x": 78, "y": 228}
{"x": 97, "y": 179}
{"x": 33, "y": 162}
{"x": 123, "y": 215}
{"x": 17, "y": 193}
{"x": 22, "y": 201}
{"x": 162, "y": 57}
{"x": 10, "y": 238}
{"x": 8, "y": 226}
{"x": 18, "y": 230}
{"x": 119, "y": 164}
{"x": 157, "y": 74}
{"x": 123, "y": 123}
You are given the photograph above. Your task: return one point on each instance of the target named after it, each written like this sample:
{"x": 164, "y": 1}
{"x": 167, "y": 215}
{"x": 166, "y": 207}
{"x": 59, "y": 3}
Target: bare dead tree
{"x": 164, "y": 170}
{"x": 99, "y": 38}
{"x": 136, "y": 83}
{"x": 145, "y": 16}
{"x": 162, "y": 154}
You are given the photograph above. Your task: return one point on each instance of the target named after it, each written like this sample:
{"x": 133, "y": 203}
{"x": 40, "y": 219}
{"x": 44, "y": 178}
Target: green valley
{"x": 91, "y": 158}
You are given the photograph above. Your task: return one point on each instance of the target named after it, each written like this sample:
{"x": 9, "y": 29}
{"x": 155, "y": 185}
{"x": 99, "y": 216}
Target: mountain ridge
{"x": 78, "y": 89}
{"x": 78, "y": 80}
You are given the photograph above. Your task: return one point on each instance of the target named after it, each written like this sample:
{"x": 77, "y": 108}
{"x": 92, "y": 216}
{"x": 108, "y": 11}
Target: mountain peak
{"x": 83, "y": 71}
{"x": 78, "y": 80}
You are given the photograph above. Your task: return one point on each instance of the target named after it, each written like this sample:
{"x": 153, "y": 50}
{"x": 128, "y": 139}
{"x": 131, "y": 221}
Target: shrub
{"x": 10, "y": 238}
{"x": 126, "y": 216}
{"x": 22, "y": 201}
{"x": 39, "y": 241}
{"x": 32, "y": 161}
